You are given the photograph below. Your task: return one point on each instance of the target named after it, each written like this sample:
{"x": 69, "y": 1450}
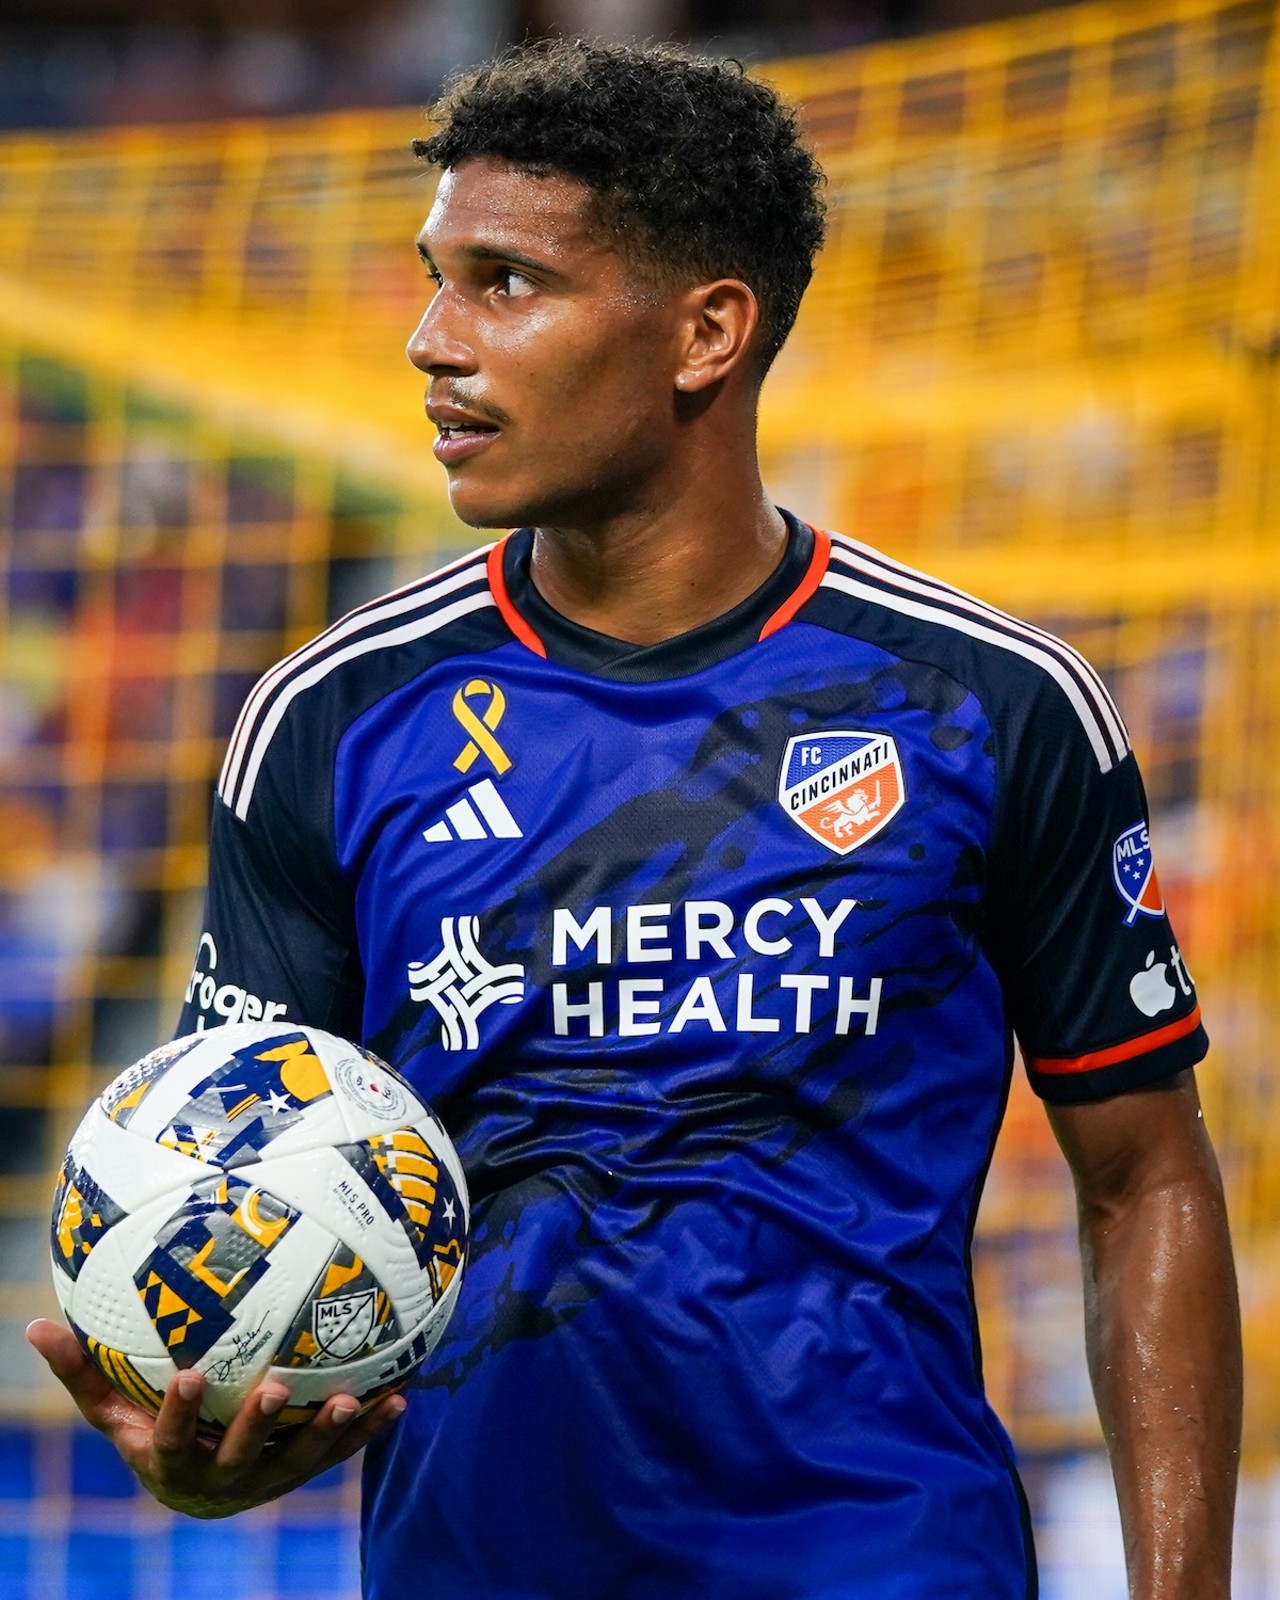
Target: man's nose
{"x": 437, "y": 344}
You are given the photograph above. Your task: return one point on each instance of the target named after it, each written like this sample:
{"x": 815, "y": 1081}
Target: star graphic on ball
{"x": 277, "y": 1104}
{"x": 449, "y": 1212}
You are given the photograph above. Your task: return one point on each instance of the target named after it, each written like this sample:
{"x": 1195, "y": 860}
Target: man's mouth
{"x": 461, "y": 433}
{"x": 457, "y": 429}
{"x": 458, "y": 441}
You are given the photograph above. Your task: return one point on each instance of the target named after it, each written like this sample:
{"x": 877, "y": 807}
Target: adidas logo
{"x": 488, "y": 818}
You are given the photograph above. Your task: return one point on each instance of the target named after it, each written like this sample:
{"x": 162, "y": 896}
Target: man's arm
{"x": 1162, "y": 1327}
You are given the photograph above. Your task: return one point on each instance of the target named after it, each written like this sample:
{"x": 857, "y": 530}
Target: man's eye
{"x": 513, "y": 283}
{"x": 436, "y": 276}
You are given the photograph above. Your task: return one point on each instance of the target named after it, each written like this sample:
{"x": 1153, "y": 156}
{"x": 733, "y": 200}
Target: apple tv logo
{"x": 1151, "y": 991}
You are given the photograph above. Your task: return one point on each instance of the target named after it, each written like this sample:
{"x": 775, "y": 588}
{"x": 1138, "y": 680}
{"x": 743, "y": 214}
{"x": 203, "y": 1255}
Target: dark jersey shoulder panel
{"x": 1095, "y": 984}
{"x": 279, "y": 933}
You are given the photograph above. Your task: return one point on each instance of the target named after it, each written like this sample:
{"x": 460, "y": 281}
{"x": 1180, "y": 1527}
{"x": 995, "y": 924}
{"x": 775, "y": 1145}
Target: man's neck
{"x": 649, "y": 576}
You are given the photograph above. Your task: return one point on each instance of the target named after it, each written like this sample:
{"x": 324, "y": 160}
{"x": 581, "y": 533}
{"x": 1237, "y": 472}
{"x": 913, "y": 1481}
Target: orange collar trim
{"x": 806, "y": 588}
{"x": 509, "y": 614}
{"x": 802, "y": 592}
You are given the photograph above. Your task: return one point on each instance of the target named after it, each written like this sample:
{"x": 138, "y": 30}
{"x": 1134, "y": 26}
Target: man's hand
{"x": 198, "y": 1476}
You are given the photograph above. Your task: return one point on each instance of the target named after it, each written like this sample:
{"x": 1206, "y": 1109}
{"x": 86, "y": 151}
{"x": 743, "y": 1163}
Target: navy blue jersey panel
{"x": 278, "y": 936}
{"x": 1096, "y": 986}
{"x": 275, "y": 940}
{"x": 709, "y": 955}
{"x": 1076, "y": 925}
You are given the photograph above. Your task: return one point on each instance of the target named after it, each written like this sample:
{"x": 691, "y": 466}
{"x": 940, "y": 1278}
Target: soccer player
{"x": 700, "y": 867}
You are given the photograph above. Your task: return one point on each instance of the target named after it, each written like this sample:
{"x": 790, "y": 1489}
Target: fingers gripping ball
{"x": 259, "y": 1198}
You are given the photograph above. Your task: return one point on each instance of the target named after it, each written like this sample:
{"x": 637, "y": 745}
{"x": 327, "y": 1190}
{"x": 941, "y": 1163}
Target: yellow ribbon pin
{"x": 480, "y": 727}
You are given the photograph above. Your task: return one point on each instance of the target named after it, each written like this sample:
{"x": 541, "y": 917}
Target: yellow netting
{"x": 1037, "y": 359}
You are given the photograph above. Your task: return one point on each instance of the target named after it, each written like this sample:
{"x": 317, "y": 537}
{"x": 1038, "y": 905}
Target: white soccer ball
{"x": 259, "y": 1198}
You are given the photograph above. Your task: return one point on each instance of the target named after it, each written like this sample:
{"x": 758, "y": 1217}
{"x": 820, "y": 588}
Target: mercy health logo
{"x": 224, "y": 1002}
{"x": 461, "y": 984}
{"x": 841, "y": 787}
{"x": 1133, "y": 872}
{"x": 786, "y": 991}
{"x": 771, "y": 967}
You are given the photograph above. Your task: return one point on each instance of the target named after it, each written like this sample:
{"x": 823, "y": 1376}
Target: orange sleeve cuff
{"x": 1119, "y": 1052}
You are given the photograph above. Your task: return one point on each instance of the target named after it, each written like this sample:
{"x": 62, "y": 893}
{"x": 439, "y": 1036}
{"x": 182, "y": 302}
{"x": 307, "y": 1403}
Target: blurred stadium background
{"x": 1039, "y": 359}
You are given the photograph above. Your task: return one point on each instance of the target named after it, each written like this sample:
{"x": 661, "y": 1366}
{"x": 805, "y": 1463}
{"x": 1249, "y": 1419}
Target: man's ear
{"x": 719, "y": 334}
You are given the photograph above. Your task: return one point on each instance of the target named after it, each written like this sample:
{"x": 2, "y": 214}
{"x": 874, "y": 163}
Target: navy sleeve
{"x": 278, "y": 938}
{"x": 1098, "y": 991}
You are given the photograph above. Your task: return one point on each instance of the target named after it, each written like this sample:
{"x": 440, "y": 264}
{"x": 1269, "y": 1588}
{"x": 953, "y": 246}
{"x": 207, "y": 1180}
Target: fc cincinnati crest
{"x": 841, "y": 787}
{"x": 1133, "y": 871}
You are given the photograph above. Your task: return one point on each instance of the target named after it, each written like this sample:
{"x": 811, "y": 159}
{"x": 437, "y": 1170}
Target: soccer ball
{"x": 259, "y": 1198}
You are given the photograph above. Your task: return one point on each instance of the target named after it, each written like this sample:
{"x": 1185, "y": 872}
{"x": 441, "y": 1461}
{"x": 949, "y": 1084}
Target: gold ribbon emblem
{"x": 480, "y": 727}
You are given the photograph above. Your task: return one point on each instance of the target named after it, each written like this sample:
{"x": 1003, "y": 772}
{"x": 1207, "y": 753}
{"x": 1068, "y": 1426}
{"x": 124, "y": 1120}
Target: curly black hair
{"x": 697, "y": 168}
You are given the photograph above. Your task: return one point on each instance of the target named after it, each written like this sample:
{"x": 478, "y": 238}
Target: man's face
{"x": 551, "y": 364}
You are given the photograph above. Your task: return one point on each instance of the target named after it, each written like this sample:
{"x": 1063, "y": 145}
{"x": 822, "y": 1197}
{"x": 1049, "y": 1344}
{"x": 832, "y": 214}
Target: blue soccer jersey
{"x": 710, "y": 955}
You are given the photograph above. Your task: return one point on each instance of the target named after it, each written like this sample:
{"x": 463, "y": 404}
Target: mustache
{"x": 452, "y": 395}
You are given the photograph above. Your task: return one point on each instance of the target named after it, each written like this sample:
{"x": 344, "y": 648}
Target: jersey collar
{"x": 549, "y": 634}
